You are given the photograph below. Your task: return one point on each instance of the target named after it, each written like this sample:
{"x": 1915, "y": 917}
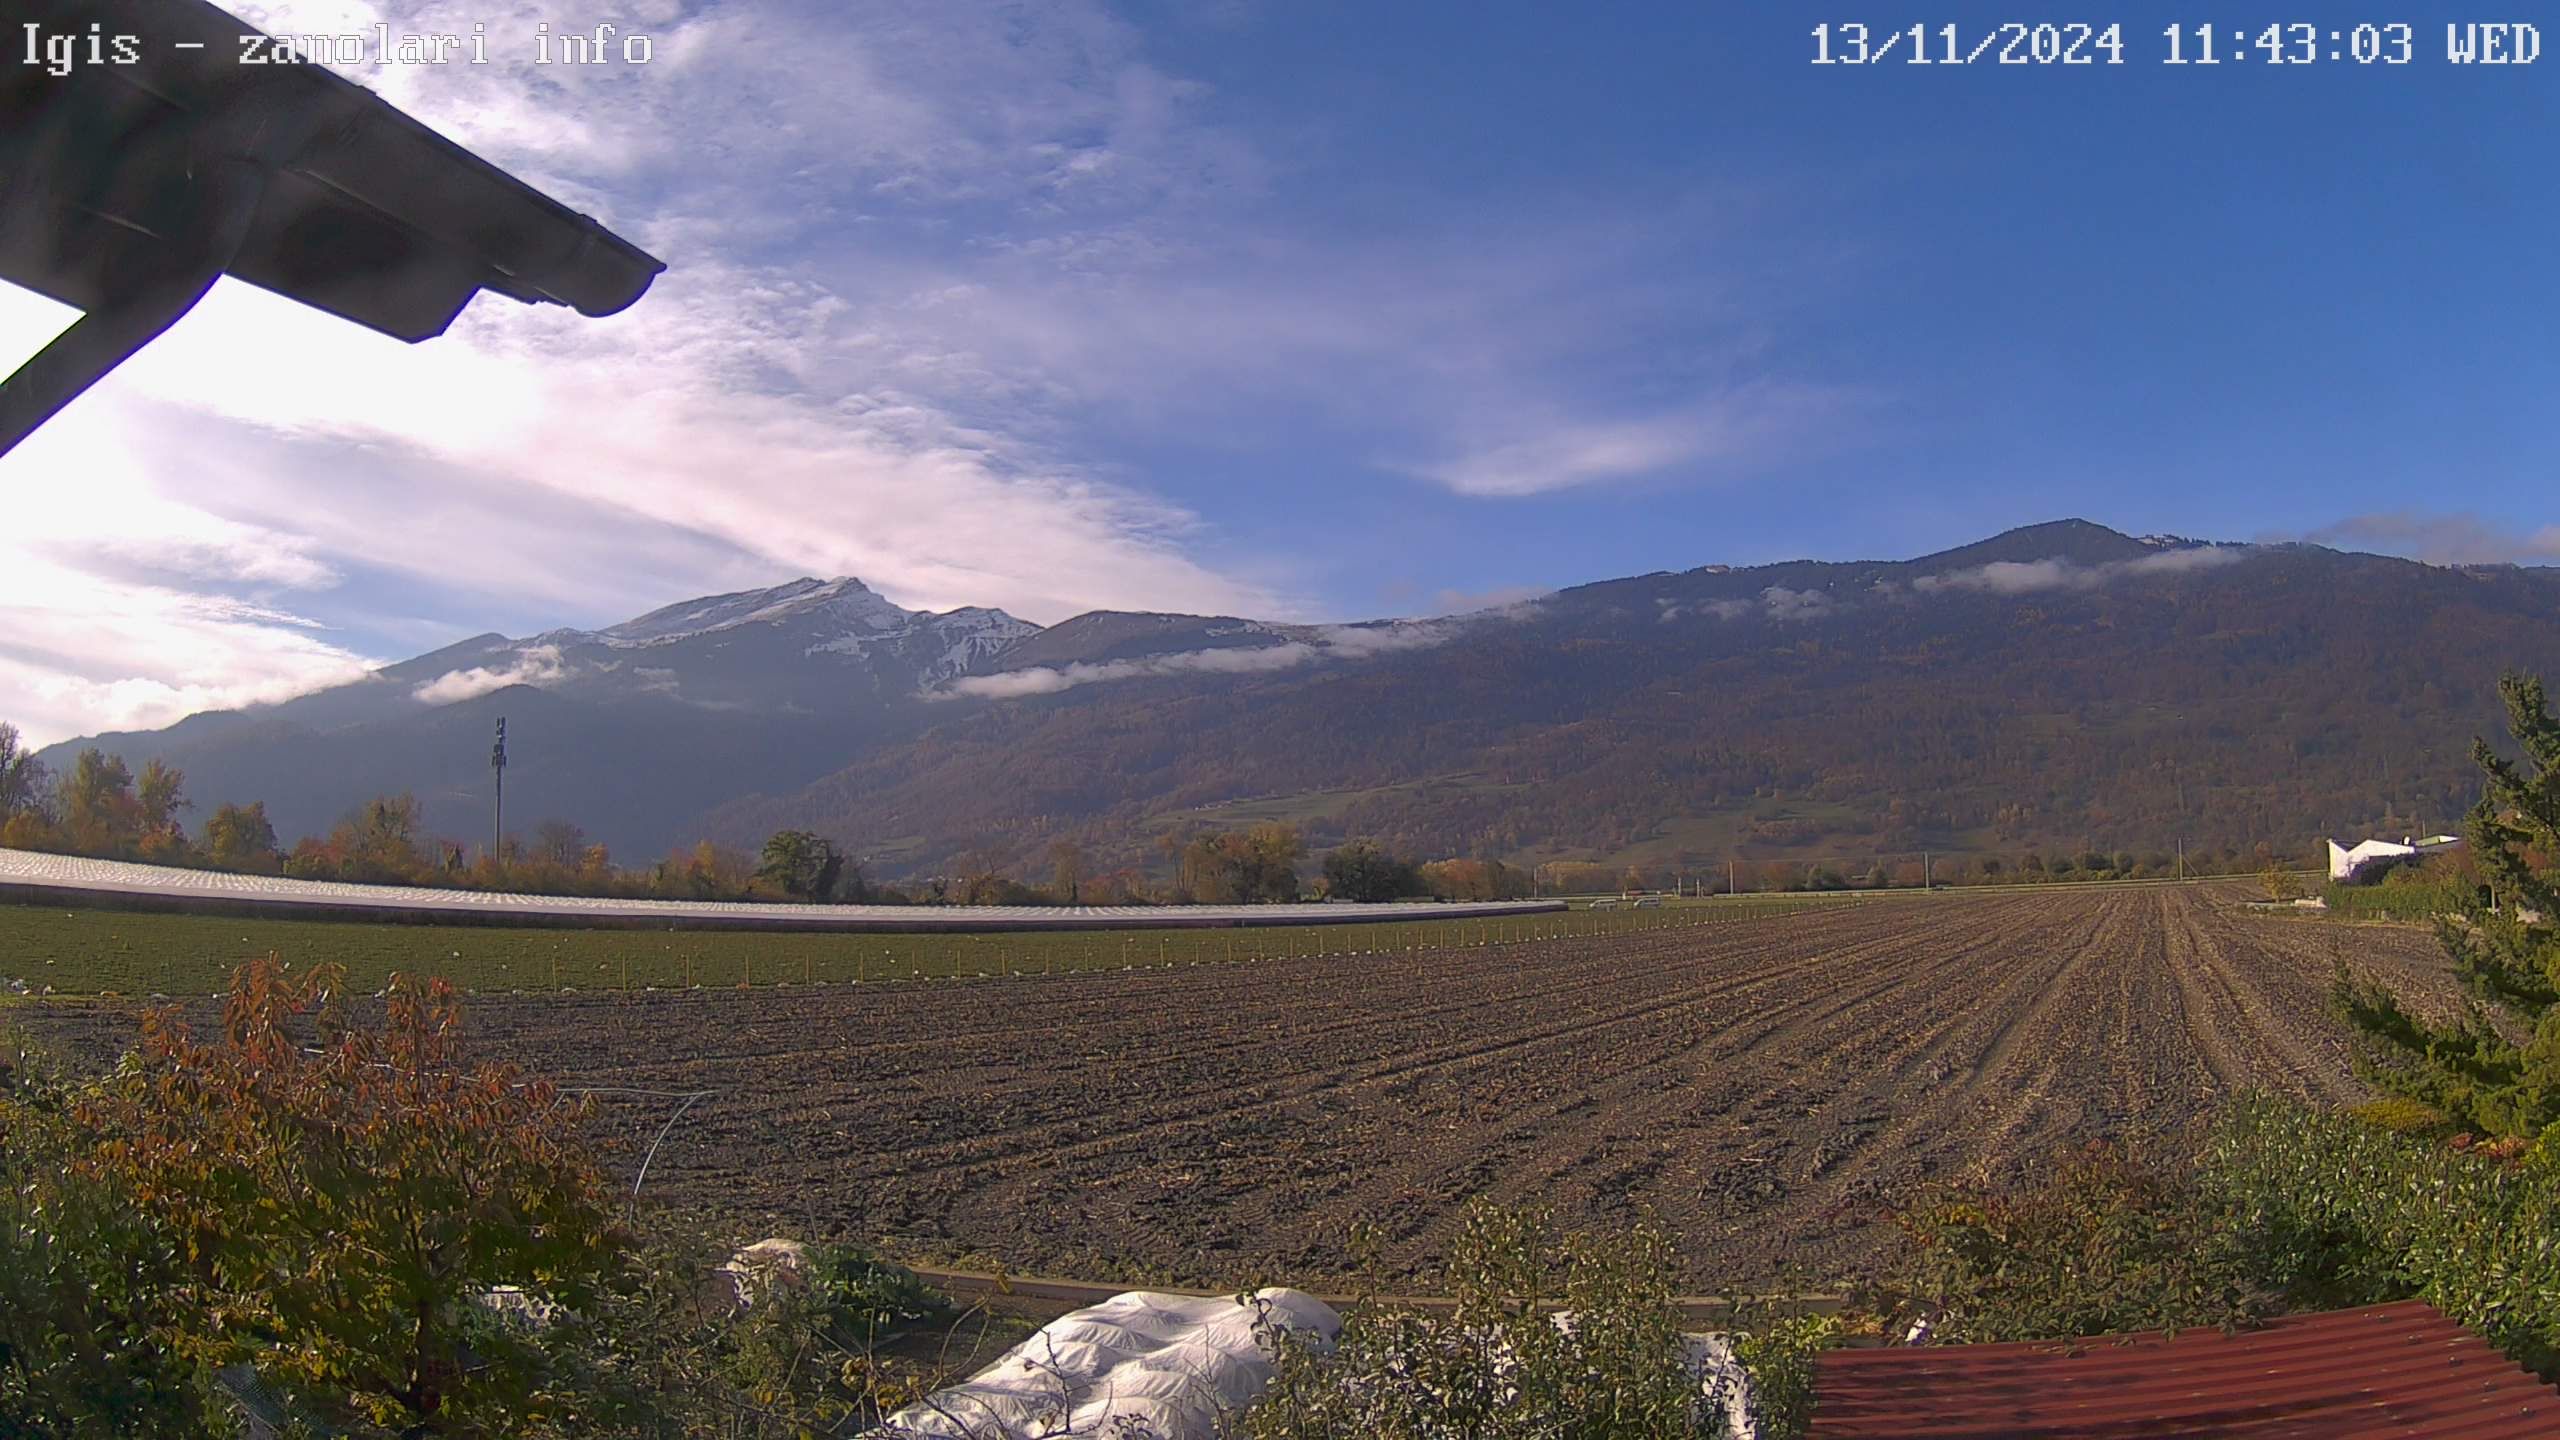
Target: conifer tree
{"x": 2504, "y": 946}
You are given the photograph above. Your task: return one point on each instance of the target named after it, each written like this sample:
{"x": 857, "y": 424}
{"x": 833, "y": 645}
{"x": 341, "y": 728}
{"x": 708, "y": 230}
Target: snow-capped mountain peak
{"x": 807, "y": 647}
{"x": 844, "y": 603}
{"x": 940, "y": 645}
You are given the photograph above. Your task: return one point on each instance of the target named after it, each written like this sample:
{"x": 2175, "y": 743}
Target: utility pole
{"x": 2182, "y": 858}
{"x": 1729, "y": 887}
{"x": 498, "y": 773}
{"x": 1925, "y": 883}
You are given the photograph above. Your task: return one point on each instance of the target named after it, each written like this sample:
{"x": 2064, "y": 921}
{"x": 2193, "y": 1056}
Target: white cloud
{"x": 732, "y": 426}
{"x": 1712, "y": 609}
{"x": 1356, "y": 642}
{"x": 2184, "y": 559}
{"x": 1048, "y": 680}
{"x": 28, "y": 323}
{"x": 1330, "y": 642}
{"x": 536, "y": 665}
{"x": 1576, "y": 454}
{"x": 2004, "y": 577}
{"x": 1785, "y": 604}
{"x": 2442, "y": 539}
{"x": 917, "y": 249}
{"x": 2000, "y": 577}
{"x": 1727, "y": 431}
{"x": 79, "y": 653}
{"x": 1776, "y": 602}
{"x": 2019, "y": 577}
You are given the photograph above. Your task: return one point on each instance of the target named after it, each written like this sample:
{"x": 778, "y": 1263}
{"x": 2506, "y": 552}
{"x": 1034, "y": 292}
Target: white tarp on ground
{"x": 1726, "y": 1384}
{"x": 1170, "y": 1367}
{"x": 1141, "y": 1363}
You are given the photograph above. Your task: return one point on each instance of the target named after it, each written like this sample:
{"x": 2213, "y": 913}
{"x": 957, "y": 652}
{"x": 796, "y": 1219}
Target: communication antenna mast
{"x": 498, "y": 773}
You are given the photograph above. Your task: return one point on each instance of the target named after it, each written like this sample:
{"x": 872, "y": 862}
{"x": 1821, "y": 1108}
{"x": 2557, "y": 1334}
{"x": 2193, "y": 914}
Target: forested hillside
{"x": 2063, "y": 688}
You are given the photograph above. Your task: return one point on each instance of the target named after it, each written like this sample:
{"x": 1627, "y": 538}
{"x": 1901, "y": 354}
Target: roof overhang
{"x": 126, "y": 189}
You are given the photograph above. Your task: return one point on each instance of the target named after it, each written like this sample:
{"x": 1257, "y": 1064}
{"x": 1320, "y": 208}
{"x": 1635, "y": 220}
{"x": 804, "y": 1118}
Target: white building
{"x": 2367, "y": 861}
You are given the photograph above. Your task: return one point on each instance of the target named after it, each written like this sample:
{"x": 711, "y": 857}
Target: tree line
{"x": 2025, "y": 867}
{"x": 2118, "y": 718}
{"x": 101, "y": 808}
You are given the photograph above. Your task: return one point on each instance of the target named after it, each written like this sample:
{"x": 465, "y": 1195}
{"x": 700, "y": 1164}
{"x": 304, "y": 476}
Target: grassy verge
{"x": 2402, "y": 903}
{"x": 88, "y": 952}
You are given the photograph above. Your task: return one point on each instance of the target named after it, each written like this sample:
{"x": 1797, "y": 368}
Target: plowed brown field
{"x": 1763, "y": 1088}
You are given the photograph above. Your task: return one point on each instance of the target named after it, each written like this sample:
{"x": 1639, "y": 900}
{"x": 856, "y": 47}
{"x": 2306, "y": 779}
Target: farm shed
{"x": 2367, "y": 860}
{"x": 2401, "y": 1369}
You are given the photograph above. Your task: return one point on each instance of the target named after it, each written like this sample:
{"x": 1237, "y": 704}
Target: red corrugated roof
{"x": 2384, "y": 1370}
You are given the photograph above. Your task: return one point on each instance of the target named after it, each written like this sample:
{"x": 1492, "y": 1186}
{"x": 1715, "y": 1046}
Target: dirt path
{"x": 1764, "y": 1088}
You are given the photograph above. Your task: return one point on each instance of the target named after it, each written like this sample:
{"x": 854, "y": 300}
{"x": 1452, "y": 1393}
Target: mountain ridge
{"x": 2008, "y": 692}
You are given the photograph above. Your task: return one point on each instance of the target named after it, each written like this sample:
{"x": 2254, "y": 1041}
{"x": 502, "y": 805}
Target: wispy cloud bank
{"x": 2441, "y": 539}
{"x": 1048, "y": 680}
{"x": 534, "y": 665}
{"x": 2004, "y": 577}
{"x": 1332, "y": 642}
{"x": 781, "y": 402}
{"x": 1776, "y": 602}
{"x": 2013, "y": 577}
{"x": 1738, "y": 429}
{"x": 1785, "y": 604}
{"x": 79, "y": 652}
{"x": 931, "y": 266}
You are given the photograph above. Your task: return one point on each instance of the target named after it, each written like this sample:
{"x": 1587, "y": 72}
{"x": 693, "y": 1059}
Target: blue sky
{"x": 1317, "y": 312}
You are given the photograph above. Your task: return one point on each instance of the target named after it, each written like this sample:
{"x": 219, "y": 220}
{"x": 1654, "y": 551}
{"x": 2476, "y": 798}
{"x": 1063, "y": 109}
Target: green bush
{"x": 1501, "y": 1366}
{"x": 2280, "y": 1207}
{"x": 2095, "y": 1242}
{"x": 809, "y": 1358}
{"x": 2415, "y": 899}
{"x": 84, "y": 1343}
{"x": 398, "y": 1242}
{"x": 867, "y": 1300}
{"x": 2401, "y": 1116}
{"x": 667, "y": 1353}
{"x": 2345, "y": 1213}
{"x": 1779, "y": 1356}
